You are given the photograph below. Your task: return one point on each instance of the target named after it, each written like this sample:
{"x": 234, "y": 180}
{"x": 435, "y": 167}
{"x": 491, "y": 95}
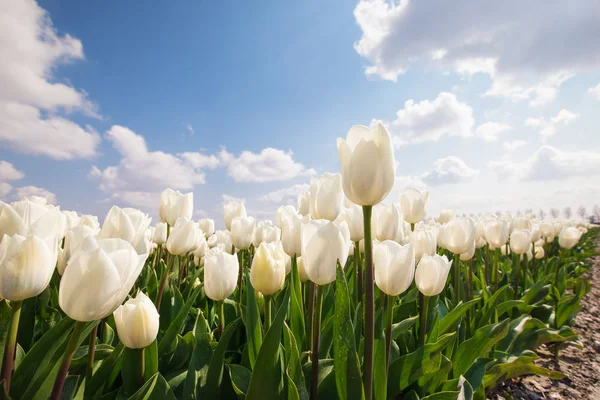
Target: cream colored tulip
{"x": 267, "y": 274}
{"x": 242, "y": 232}
{"x": 413, "y": 203}
{"x": 520, "y": 241}
{"x": 232, "y": 210}
{"x": 304, "y": 203}
{"x": 174, "y": 205}
{"x": 446, "y": 216}
{"x": 326, "y": 197}
{"x": 323, "y": 244}
{"x": 353, "y": 216}
{"x": 394, "y": 267}
{"x": 423, "y": 241}
{"x": 387, "y": 222}
{"x": 569, "y": 237}
{"x": 459, "y": 235}
{"x": 160, "y": 233}
{"x": 26, "y": 218}
{"x": 431, "y": 274}
{"x": 73, "y": 240}
{"x": 496, "y": 233}
{"x": 182, "y": 239}
{"x": 208, "y": 226}
{"x": 291, "y": 234}
{"x": 128, "y": 224}
{"x": 137, "y": 322}
{"x": 367, "y": 163}
{"x": 221, "y": 272}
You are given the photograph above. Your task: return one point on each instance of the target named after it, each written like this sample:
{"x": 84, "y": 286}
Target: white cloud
{"x": 509, "y": 147}
{"x": 528, "y": 49}
{"x": 490, "y": 131}
{"x": 31, "y": 98}
{"x": 36, "y": 191}
{"x": 430, "y": 120}
{"x": 550, "y": 127}
{"x": 199, "y": 160}
{"x": 595, "y": 91}
{"x": 190, "y": 129}
{"x": 550, "y": 163}
{"x": 267, "y": 166}
{"x": 288, "y": 195}
{"x": 5, "y": 188}
{"x": 447, "y": 170}
{"x": 9, "y": 173}
{"x": 232, "y": 199}
{"x": 145, "y": 200}
{"x": 199, "y": 213}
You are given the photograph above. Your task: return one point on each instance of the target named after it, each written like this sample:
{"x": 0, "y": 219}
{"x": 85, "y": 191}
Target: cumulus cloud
{"x": 267, "y": 166}
{"x": 448, "y": 170}
{"x": 511, "y": 146}
{"x": 31, "y": 98}
{"x": 549, "y": 163}
{"x": 430, "y": 120}
{"x": 287, "y": 195}
{"x": 550, "y": 127}
{"x": 595, "y": 91}
{"x": 8, "y": 172}
{"x": 5, "y": 188}
{"x": 490, "y": 131}
{"x": 36, "y": 191}
{"x": 528, "y": 49}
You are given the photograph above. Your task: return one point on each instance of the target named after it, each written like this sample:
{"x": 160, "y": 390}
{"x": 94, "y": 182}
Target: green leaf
{"x": 41, "y": 358}
{"x": 427, "y": 359}
{"x": 296, "y": 307}
{"x": 512, "y": 367}
{"x": 267, "y": 376}
{"x": 240, "y": 378}
{"x": 478, "y": 346}
{"x": 486, "y": 313}
{"x": 450, "y": 320}
{"x": 442, "y": 396}
{"x": 5, "y": 312}
{"x": 214, "y": 375}
{"x": 27, "y": 323}
{"x": 150, "y": 360}
{"x": 403, "y": 326}
{"x": 156, "y": 388}
{"x": 293, "y": 366}
{"x": 346, "y": 363}
{"x": 252, "y": 322}
{"x": 130, "y": 370}
{"x": 80, "y": 358}
{"x": 101, "y": 375}
{"x": 201, "y": 355}
{"x": 379, "y": 370}
{"x": 168, "y": 342}
{"x": 325, "y": 369}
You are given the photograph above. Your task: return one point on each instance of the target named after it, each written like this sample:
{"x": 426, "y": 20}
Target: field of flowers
{"x": 342, "y": 297}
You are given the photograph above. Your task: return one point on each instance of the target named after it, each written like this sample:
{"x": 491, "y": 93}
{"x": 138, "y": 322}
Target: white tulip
{"x": 201, "y": 246}
{"x": 221, "y": 272}
{"x": 128, "y": 224}
{"x": 323, "y": 244}
{"x": 496, "y": 233}
{"x": 431, "y": 274}
{"x": 71, "y": 218}
{"x": 569, "y": 237}
{"x": 446, "y": 216}
{"x": 521, "y": 222}
{"x": 28, "y": 218}
{"x": 505, "y": 250}
{"x": 267, "y": 274}
{"x": 459, "y": 235}
{"x": 26, "y": 265}
{"x": 394, "y": 267}
{"x": 301, "y": 271}
{"x": 423, "y": 241}
{"x": 520, "y": 241}
{"x": 367, "y": 163}
{"x": 90, "y": 220}
{"x": 326, "y": 197}
{"x": 304, "y": 203}
{"x": 283, "y": 211}
{"x": 353, "y": 216}
{"x": 539, "y": 253}
{"x": 242, "y": 232}
{"x": 291, "y": 234}
{"x": 387, "y": 222}
{"x": 137, "y": 322}
{"x": 98, "y": 278}
{"x": 208, "y": 226}
{"x": 231, "y": 210}
{"x": 413, "y": 203}
{"x": 174, "y": 205}
{"x": 182, "y": 239}
{"x": 73, "y": 240}
{"x": 160, "y": 233}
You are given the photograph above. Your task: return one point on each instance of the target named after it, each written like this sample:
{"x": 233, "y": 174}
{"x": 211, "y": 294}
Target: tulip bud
{"x": 283, "y": 211}
{"x": 536, "y": 234}
{"x": 98, "y": 278}
{"x": 480, "y": 243}
{"x": 231, "y": 210}
{"x": 413, "y": 203}
{"x": 423, "y": 241}
{"x": 71, "y": 218}
{"x": 323, "y": 244}
{"x": 394, "y": 267}
{"x": 304, "y": 203}
{"x": 73, "y": 240}
{"x": 522, "y": 223}
{"x": 569, "y": 237}
{"x": 353, "y": 216}
{"x": 505, "y": 250}
{"x": 469, "y": 254}
{"x": 89, "y": 220}
{"x": 547, "y": 229}
{"x": 496, "y": 233}
{"x": 208, "y": 226}
{"x": 367, "y": 163}
{"x": 539, "y": 253}
{"x": 459, "y": 235}
{"x": 431, "y": 274}
{"x": 26, "y": 265}
{"x": 301, "y": 271}
{"x": 291, "y": 234}
{"x": 182, "y": 238}
{"x": 201, "y": 246}
{"x": 221, "y": 272}
{"x": 388, "y": 223}
{"x": 128, "y": 224}
{"x": 271, "y": 233}
{"x": 446, "y": 216}
{"x": 242, "y": 232}
{"x": 267, "y": 274}
{"x": 326, "y": 197}
{"x": 520, "y": 241}
{"x": 160, "y": 233}
{"x": 137, "y": 322}
{"x": 174, "y": 205}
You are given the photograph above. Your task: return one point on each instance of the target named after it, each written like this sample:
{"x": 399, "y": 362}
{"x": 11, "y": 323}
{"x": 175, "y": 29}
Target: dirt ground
{"x": 581, "y": 367}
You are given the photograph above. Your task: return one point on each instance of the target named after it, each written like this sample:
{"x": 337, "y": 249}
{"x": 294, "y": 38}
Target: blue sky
{"x": 255, "y": 95}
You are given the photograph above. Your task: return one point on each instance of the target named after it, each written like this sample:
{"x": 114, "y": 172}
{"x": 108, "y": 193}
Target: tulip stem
{"x": 316, "y": 334}
{"x": 221, "y": 307}
{"x": 358, "y": 263}
{"x": 241, "y": 274}
{"x": 389, "y": 316}
{"x": 163, "y": 281}
{"x": 267, "y": 312}
{"x": 89, "y": 372}
{"x": 424, "y": 311}
{"x": 516, "y": 273}
{"x": 469, "y": 294}
{"x": 140, "y": 367}
{"x": 457, "y": 283}
{"x": 369, "y": 306}
{"x": 311, "y": 310}
{"x": 496, "y": 271}
{"x": 157, "y": 256}
{"x": 11, "y": 343}
{"x": 66, "y": 361}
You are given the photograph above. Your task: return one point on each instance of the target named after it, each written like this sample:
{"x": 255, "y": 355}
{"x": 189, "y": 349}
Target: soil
{"x": 581, "y": 367}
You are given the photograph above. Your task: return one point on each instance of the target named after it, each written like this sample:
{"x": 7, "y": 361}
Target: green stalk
{"x": 163, "y": 281}
{"x": 66, "y": 361}
{"x": 469, "y": 294}
{"x": 315, "y": 347}
{"x": 89, "y": 372}
{"x": 369, "y": 306}
{"x": 157, "y": 256}
{"x": 423, "y": 313}
{"x": 240, "y": 278}
{"x": 496, "y": 272}
{"x": 389, "y": 314}
{"x": 220, "y": 305}
{"x": 457, "y": 282}
{"x": 516, "y": 274}
{"x": 359, "y": 272}
{"x": 267, "y": 312}
{"x": 311, "y": 310}
{"x": 141, "y": 365}
{"x": 8, "y": 362}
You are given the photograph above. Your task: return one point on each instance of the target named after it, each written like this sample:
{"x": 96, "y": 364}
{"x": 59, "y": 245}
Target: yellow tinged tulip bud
{"x": 137, "y": 322}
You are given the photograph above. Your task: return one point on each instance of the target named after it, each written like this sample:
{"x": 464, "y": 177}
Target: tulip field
{"x": 345, "y": 296}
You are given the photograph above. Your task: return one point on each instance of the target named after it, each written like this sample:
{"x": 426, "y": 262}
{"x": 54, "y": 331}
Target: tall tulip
{"x": 569, "y": 237}
{"x": 323, "y": 244}
{"x": 521, "y": 222}
{"x": 388, "y": 222}
{"x": 413, "y": 203}
{"x": 242, "y": 231}
{"x": 459, "y": 235}
{"x": 291, "y": 234}
{"x": 326, "y": 197}
{"x": 208, "y": 226}
{"x": 304, "y": 203}
{"x": 221, "y": 271}
{"x": 137, "y": 322}
{"x": 496, "y": 233}
{"x": 283, "y": 211}
{"x": 394, "y": 267}
{"x": 182, "y": 238}
{"x": 89, "y": 220}
{"x": 353, "y": 217}
{"x": 128, "y": 224}
{"x": 520, "y": 241}
{"x": 160, "y": 234}
{"x": 26, "y": 217}
{"x": 423, "y": 241}
{"x": 231, "y": 210}
{"x": 174, "y": 205}
{"x": 73, "y": 240}
{"x": 446, "y": 216}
